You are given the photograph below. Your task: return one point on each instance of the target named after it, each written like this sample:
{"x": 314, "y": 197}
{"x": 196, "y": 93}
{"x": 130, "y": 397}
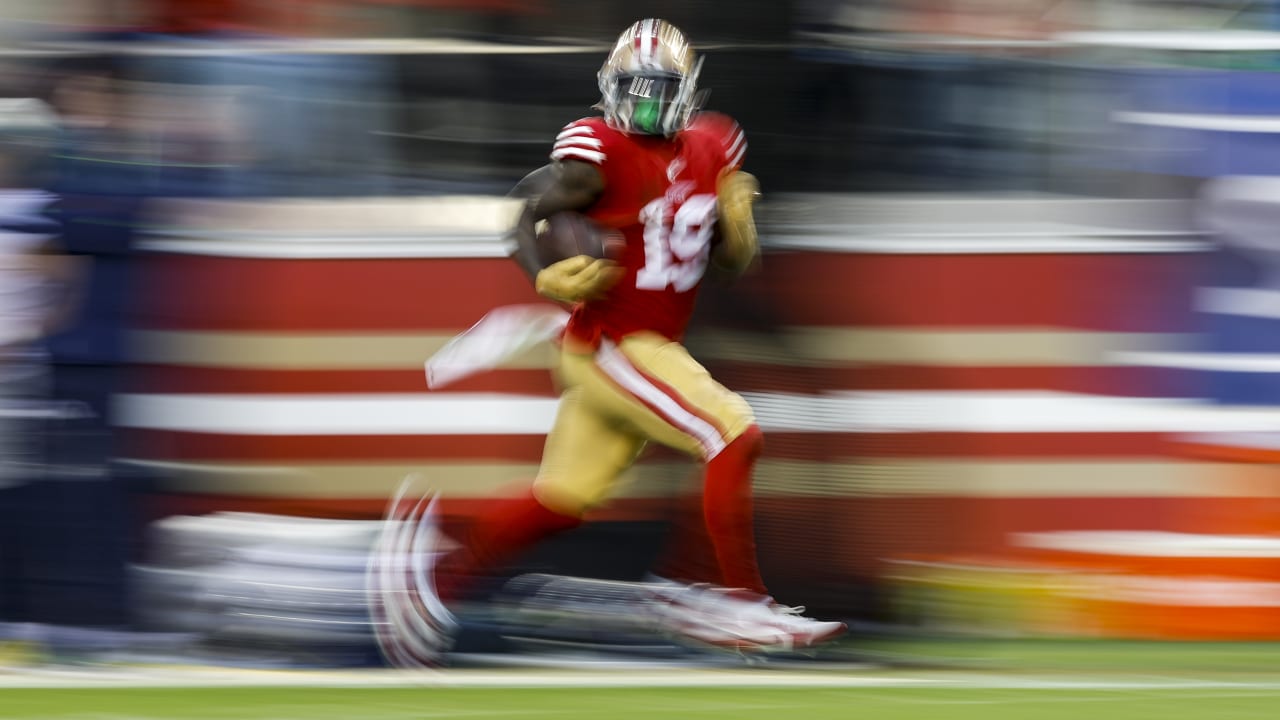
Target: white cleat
{"x": 412, "y": 626}
{"x": 737, "y": 619}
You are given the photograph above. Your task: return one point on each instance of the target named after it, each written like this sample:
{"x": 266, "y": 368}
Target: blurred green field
{"x": 883, "y": 703}
{"x": 626, "y": 703}
{"x": 1255, "y": 660}
{"x": 962, "y": 680}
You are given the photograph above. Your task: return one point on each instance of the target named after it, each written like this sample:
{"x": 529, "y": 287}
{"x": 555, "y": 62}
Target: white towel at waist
{"x": 504, "y": 333}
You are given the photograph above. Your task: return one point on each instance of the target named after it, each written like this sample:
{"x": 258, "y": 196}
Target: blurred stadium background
{"x": 1014, "y": 342}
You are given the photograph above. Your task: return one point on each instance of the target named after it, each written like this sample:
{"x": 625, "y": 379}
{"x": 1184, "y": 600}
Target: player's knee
{"x": 739, "y": 421}
{"x": 566, "y": 499}
{"x": 735, "y": 415}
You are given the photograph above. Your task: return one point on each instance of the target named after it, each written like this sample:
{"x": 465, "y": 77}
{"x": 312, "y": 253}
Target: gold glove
{"x": 736, "y": 193}
{"x": 578, "y": 278}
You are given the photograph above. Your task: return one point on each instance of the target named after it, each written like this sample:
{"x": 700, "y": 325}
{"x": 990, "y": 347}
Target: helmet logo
{"x": 646, "y": 42}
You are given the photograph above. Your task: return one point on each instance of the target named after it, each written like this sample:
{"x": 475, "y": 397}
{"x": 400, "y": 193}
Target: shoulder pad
{"x": 725, "y": 132}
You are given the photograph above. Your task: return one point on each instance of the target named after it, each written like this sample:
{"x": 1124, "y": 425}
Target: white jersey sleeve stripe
{"x": 736, "y": 142}
{"x": 576, "y": 130}
{"x": 586, "y": 142}
{"x": 578, "y": 153}
{"x": 737, "y": 158}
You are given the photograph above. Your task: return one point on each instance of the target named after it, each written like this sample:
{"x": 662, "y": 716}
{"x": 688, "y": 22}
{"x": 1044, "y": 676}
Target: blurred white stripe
{"x": 458, "y": 414}
{"x": 339, "y": 249}
{"x": 576, "y": 130}
{"x": 592, "y": 673}
{"x": 1152, "y": 543}
{"x": 1246, "y": 302}
{"x": 584, "y": 142}
{"x": 1221, "y": 362}
{"x": 981, "y": 244}
{"x": 857, "y": 412}
{"x": 588, "y": 155}
{"x": 1196, "y": 121}
{"x": 258, "y": 246}
{"x": 1219, "y": 40}
{"x": 736, "y": 142}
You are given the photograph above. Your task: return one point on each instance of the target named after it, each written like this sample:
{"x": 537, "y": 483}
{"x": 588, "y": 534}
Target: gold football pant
{"x": 617, "y": 399}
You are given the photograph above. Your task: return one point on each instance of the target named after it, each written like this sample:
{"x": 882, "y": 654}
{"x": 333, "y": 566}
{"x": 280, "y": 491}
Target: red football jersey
{"x": 660, "y": 194}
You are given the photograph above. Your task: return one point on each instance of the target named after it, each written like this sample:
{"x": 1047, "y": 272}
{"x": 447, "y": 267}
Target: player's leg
{"x": 662, "y": 391}
{"x": 656, "y": 386}
{"x": 583, "y": 456}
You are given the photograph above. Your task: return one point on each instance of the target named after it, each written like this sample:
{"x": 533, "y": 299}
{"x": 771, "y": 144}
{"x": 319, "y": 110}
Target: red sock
{"x": 688, "y": 555}
{"x": 495, "y": 538}
{"x": 727, "y": 509}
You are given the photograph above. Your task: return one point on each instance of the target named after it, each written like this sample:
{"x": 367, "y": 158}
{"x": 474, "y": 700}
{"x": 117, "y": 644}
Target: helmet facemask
{"x": 648, "y": 84}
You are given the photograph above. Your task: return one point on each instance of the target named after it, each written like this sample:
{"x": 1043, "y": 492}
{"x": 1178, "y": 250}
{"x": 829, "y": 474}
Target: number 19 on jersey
{"x": 677, "y": 242}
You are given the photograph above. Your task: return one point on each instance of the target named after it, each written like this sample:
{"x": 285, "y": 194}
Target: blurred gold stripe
{"x": 1058, "y": 477}
{"x": 989, "y": 347}
{"x": 879, "y": 477}
{"x": 478, "y": 479}
{"x": 808, "y": 347}
{"x": 296, "y": 351}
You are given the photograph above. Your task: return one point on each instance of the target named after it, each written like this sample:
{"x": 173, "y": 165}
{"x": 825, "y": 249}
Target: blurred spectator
{"x": 82, "y": 539}
{"x": 222, "y": 118}
{"x": 928, "y": 95}
{"x": 32, "y": 274}
{"x": 318, "y": 120}
{"x": 100, "y": 181}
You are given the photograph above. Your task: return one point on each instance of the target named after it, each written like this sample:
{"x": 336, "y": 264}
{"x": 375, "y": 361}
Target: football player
{"x": 668, "y": 179}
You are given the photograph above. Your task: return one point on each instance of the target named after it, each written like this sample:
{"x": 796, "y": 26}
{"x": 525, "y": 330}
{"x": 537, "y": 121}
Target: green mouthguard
{"x": 646, "y": 116}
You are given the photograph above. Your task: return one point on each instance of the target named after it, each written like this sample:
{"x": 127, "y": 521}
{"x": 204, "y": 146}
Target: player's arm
{"x": 739, "y": 247}
{"x": 557, "y": 187}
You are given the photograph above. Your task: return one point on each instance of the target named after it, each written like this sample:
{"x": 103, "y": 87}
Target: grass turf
{"x": 626, "y": 703}
{"x": 961, "y": 680}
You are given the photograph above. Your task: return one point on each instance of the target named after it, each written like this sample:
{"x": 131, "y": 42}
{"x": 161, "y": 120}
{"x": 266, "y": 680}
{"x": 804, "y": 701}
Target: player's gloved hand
{"x": 736, "y": 193}
{"x": 578, "y": 278}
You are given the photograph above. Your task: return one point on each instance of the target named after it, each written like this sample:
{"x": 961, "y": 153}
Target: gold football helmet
{"x": 648, "y": 84}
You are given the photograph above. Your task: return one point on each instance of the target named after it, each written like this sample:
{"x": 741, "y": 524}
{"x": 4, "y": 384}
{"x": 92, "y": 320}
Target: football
{"x": 567, "y": 234}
